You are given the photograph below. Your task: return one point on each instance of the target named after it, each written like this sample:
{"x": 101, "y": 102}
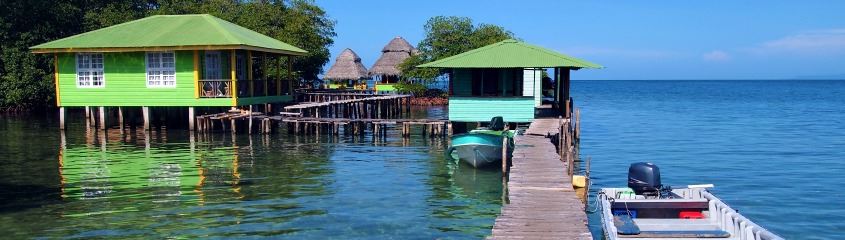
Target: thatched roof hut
{"x": 347, "y": 66}
{"x": 396, "y": 51}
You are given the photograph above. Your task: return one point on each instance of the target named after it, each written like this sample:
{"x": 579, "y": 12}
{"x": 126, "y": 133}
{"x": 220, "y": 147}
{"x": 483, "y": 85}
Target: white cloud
{"x": 825, "y": 41}
{"x": 716, "y": 56}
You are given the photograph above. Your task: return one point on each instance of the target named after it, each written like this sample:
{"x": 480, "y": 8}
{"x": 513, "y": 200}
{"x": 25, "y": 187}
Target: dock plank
{"x": 542, "y": 203}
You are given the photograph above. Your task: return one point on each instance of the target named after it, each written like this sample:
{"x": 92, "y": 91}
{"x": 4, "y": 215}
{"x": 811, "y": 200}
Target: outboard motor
{"x": 644, "y": 179}
{"x": 497, "y": 123}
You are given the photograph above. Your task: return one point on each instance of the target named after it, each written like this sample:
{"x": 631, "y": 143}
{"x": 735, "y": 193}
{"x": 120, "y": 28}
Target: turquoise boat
{"x": 481, "y": 147}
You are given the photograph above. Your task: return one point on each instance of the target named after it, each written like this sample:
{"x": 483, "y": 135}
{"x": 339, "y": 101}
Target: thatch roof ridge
{"x": 393, "y": 54}
{"x": 398, "y": 44}
{"x": 347, "y": 66}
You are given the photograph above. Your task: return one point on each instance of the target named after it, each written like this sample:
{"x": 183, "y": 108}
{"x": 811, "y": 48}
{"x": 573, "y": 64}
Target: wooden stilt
{"x": 146, "y": 112}
{"x": 120, "y": 118}
{"x": 232, "y": 125}
{"x": 250, "y": 120}
{"x": 191, "y": 119}
{"x": 102, "y": 111}
{"x": 62, "y": 118}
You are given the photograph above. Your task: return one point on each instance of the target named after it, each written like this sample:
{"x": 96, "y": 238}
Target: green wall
{"x": 125, "y": 84}
{"x": 482, "y": 109}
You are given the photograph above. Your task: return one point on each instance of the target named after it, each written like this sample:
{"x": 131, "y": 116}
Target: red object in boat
{"x": 690, "y": 214}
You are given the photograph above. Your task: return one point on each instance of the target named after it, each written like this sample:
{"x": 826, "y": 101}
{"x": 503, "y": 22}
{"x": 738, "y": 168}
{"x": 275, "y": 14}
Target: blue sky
{"x": 632, "y": 39}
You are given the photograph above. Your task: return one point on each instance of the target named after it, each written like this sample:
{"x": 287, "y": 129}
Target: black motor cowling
{"x": 644, "y": 179}
{"x": 497, "y": 124}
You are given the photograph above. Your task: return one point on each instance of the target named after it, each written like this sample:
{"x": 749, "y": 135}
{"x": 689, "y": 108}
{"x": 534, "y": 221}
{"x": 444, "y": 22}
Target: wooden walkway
{"x": 542, "y": 203}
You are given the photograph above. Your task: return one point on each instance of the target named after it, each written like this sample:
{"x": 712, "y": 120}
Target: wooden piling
{"x": 61, "y": 118}
{"x": 191, "y": 119}
{"x": 250, "y": 120}
{"x": 146, "y": 115}
{"x": 120, "y": 118}
{"x": 505, "y": 154}
{"x": 102, "y": 111}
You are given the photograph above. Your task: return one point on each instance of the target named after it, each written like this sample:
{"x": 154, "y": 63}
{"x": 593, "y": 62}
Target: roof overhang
{"x": 167, "y": 48}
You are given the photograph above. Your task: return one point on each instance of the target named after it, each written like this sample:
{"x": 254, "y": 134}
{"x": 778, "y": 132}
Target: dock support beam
{"x": 62, "y": 118}
{"x": 191, "y": 119}
{"x": 250, "y": 120}
{"x": 120, "y": 118}
{"x": 102, "y": 111}
{"x": 146, "y": 112}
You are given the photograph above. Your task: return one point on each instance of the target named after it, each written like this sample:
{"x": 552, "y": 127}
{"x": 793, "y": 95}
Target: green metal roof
{"x": 510, "y": 54}
{"x": 169, "y": 32}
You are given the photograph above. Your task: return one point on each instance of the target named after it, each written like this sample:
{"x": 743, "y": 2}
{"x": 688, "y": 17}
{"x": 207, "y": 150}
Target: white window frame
{"x": 161, "y": 69}
{"x": 88, "y": 70}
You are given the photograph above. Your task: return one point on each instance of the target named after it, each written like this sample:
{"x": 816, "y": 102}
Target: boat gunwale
{"x": 727, "y": 218}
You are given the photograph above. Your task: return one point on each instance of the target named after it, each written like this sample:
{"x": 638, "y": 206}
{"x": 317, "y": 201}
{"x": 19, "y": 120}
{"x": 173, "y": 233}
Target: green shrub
{"x": 417, "y": 89}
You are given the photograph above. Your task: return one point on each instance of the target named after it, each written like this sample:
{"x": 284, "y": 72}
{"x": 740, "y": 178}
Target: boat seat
{"x": 677, "y": 228}
{"x": 680, "y": 234}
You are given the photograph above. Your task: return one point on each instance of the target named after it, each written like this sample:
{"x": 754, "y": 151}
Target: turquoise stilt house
{"x": 505, "y": 79}
{"x": 171, "y": 61}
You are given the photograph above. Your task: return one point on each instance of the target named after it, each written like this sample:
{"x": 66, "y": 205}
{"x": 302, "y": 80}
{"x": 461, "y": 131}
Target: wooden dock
{"x": 541, "y": 202}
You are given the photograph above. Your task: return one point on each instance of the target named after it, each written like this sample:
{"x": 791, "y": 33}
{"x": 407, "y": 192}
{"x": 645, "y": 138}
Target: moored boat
{"x": 481, "y": 147}
{"x": 649, "y": 210}
{"x": 476, "y": 149}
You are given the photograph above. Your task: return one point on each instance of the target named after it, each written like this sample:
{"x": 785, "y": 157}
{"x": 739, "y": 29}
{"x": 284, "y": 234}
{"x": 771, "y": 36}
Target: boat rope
{"x": 596, "y": 201}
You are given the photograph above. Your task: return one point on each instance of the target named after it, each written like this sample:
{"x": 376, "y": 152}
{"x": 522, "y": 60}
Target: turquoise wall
{"x": 482, "y": 109}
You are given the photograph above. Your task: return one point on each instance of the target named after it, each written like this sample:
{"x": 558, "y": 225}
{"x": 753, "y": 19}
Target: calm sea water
{"x": 168, "y": 185}
{"x": 774, "y": 149}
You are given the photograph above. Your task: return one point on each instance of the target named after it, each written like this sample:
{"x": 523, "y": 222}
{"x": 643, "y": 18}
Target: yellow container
{"x": 579, "y": 181}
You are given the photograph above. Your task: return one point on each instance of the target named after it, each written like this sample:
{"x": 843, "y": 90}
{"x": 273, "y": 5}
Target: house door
{"x": 212, "y": 66}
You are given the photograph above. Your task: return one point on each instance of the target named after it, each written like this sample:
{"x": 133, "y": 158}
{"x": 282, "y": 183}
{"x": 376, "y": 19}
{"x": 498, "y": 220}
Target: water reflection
{"x": 136, "y": 184}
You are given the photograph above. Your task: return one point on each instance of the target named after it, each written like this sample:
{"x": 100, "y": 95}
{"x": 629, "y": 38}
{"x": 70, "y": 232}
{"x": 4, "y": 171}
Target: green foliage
{"x": 447, "y": 36}
{"x": 417, "y": 89}
{"x": 26, "y": 79}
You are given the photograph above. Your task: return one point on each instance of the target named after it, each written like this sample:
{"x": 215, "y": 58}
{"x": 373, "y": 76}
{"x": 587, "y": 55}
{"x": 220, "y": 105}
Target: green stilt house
{"x": 504, "y": 79}
{"x": 171, "y": 61}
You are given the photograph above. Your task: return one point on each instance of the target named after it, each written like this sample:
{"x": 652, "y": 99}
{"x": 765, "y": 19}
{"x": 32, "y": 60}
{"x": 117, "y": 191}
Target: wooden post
{"x": 197, "y": 74}
{"x": 233, "y": 62}
{"x": 279, "y": 76}
{"x": 565, "y": 74}
{"x": 120, "y": 118}
{"x": 146, "y": 113}
{"x": 232, "y": 125}
{"x": 249, "y": 75}
{"x": 102, "y": 117}
{"x": 191, "y": 119}
{"x": 250, "y": 120}
{"x": 87, "y": 116}
{"x": 62, "y": 118}
{"x": 577, "y": 124}
{"x": 290, "y": 75}
{"x": 505, "y": 153}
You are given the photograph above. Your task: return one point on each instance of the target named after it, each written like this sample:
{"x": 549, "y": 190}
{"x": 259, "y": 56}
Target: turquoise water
{"x": 168, "y": 185}
{"x": 774, "y": 149}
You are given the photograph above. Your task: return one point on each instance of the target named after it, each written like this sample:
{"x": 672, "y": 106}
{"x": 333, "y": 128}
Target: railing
{"x": 222, "y": 88}
{"x": 215, "y": 88}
